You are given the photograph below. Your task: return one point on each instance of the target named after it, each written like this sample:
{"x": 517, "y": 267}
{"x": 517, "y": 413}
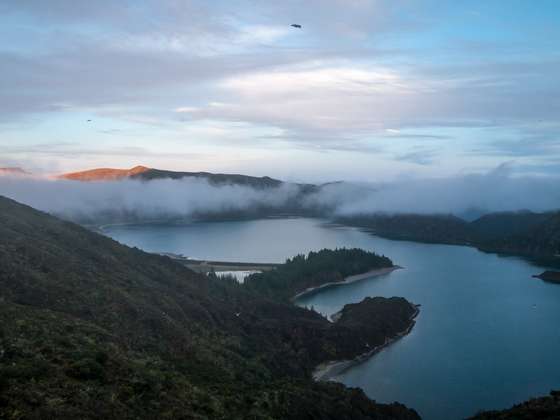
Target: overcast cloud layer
{"x": 366, "y": 89}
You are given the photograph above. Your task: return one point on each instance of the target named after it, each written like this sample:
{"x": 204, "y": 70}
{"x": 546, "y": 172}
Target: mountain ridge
{"x": 103, "y": 174}
{"x": 144, "y": 173}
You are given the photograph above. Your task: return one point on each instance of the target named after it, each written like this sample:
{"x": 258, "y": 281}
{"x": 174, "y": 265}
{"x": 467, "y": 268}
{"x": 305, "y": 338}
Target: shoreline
{"x": 207, "y": 266}
{"x": 540, "y": 260}
{"x": 327, "y": 371}
{"x": 348, "y": 280}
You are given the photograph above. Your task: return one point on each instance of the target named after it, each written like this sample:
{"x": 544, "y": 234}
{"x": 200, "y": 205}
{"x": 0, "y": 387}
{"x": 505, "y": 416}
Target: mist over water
{"x": 498, "y": 190}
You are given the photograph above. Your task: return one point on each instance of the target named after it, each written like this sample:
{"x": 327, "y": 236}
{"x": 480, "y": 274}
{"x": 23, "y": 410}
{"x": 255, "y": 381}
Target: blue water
{"x": 487, "y": 335}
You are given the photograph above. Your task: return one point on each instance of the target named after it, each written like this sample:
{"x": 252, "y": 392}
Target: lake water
{"x": 487, "y": 335}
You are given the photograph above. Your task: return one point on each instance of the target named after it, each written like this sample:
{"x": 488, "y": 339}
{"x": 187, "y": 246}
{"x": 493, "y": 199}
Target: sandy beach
{"x": 351, "y": 279}
{"x": 329, "y": 370}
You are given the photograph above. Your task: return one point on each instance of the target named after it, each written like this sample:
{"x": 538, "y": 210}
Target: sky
{"x": 364, "y": 91}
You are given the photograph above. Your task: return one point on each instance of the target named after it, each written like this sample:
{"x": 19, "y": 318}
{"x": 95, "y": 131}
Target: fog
{"x": 495, "y": 191}
{"x": 498, "y": 190}
{"x": 148, "y": 200}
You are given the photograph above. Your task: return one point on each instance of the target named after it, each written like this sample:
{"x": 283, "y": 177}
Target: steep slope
{"x": 545, "y": 408}
{"x": 93, "y": 329}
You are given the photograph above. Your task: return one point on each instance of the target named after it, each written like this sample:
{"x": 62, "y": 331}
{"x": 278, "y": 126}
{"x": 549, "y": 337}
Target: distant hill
{"x": 535, "y": 235}
{"x": 104, "y": 174}
{"x": 506, "y": 224}
{"x": 440, "y": 228}
{"x": 539, "y": 237}
{"x": 147, "y": 174}
{"x": 13, "y": 171}
{"x": 216, "y": 179}
{"x": 92, "y": 329}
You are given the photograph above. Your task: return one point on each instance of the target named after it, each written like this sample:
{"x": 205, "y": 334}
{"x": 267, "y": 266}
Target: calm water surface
{"x": 487, "y": 335}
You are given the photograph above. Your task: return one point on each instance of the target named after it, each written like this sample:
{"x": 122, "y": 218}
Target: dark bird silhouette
{"x": 88, "y": 120}
{"x": 295, "y": 25}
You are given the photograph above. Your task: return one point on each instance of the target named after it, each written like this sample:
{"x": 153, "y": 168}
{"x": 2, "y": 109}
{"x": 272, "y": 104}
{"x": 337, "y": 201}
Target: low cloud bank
{"x": 498, "y": 190}
{"x": 145, "y": 200}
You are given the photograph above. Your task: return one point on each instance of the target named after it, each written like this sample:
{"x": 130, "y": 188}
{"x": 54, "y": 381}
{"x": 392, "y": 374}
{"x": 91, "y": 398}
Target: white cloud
{"x": 314, "y": 96}
{"x": 186, "y": 109}
{"x": 357, "y": 73}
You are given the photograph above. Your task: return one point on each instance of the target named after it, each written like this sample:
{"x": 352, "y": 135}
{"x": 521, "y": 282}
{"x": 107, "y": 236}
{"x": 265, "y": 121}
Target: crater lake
{"x": 486, "y": 336}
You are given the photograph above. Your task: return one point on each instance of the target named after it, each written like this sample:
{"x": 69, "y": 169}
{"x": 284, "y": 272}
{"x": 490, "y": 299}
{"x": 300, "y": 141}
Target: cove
{"x": 486, "y": 337}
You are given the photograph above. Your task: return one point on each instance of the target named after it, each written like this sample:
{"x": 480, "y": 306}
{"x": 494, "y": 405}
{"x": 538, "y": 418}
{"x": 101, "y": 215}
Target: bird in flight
{"x": 295, "y": 25}
{"x": 88, "y": 120}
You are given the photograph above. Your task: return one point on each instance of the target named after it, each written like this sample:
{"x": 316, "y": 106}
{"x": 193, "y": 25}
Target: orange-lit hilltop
{"x": 104, "y": 174}
{"x": 144, "y": 173}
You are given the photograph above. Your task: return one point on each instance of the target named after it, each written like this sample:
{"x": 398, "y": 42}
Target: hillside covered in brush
{"x": 535, "y": 235}
{"x": 536, "y": 408}
{"x": 90, "y": 328}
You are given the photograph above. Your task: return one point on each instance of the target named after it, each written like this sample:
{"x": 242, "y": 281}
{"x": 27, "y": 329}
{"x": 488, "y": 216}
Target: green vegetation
{"x": 534, "y": 235}
{"x": 93, "y": 329}
{"x": 414, "y": 227}
{"x": 536, "y": 408}
{"x": 549, "y": 276}
{"x": 302, "y": 272}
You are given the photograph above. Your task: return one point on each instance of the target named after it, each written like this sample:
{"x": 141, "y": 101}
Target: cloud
{"x": 420, "y": 157}
{"x": 497, "y": 190}
{"x": 315, "y": 96}
{"x": 136, "y": 199}
{"x": 359, "y": 75}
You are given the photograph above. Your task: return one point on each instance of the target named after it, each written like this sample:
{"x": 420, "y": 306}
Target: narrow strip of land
{"x": 207, "y": 266}
{"x": 350, "y": 279}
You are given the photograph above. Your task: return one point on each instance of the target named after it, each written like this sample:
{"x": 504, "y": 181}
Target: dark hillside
{"x": 440, "y": 228}
{"x": 545, "y": 408}
{"x": 216, "y": 179}
{"x": 541, "y": 239}
{"x": 502, "y": 225}
{"x": 93, "y": 329}
{"x": 534, "y": 235}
